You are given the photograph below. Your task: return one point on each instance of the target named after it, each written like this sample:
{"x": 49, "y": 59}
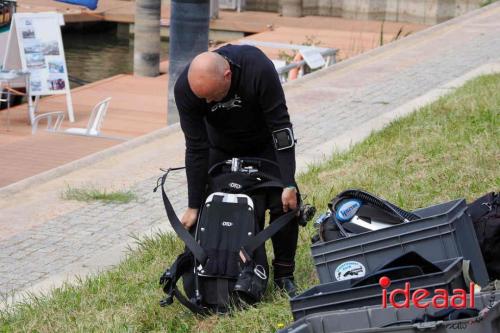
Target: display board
{"x": 35, "y": 43}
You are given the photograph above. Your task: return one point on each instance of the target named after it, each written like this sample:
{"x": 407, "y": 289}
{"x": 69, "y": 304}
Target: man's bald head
{"x": 209, "y": 76}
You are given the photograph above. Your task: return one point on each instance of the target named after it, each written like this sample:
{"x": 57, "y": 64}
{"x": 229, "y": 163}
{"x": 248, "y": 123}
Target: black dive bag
{"x": 485, "y": 214}
{"x": 225, "y": 263}
{"x": 355, "y": 211}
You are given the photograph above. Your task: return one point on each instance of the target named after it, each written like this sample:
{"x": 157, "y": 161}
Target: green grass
{"x": 448, "y": 150}
{"x": 93, "y": 193}
{"x": 487, "y": 2}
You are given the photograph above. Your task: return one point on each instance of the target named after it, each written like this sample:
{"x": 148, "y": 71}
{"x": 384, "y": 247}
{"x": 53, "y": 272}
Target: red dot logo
{"x": 384, "y": 282}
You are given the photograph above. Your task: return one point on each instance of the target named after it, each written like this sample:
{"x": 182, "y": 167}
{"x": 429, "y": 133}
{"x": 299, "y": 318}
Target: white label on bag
{"x": 349, "y": 270}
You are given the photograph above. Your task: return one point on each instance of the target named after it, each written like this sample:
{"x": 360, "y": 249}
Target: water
{"x": 93, "y": 56}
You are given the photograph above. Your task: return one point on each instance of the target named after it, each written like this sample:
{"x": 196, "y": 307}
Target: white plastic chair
{"x": 52, "y": 125}
{"x": 95, "y": 122}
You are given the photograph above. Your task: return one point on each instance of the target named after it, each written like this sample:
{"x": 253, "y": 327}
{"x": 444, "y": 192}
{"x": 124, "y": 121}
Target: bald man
{"x": 231, "y": 104}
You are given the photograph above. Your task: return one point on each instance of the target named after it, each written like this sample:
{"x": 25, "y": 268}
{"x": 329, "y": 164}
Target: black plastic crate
{"x": 372, "y": 319}
{"x": 344, "y": 294}
{"x": 445, "y": 231}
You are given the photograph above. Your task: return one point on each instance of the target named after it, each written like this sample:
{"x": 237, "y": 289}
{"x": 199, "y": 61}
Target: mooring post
{"x": 147, "y": 40}
{"x": 189, "y": 24}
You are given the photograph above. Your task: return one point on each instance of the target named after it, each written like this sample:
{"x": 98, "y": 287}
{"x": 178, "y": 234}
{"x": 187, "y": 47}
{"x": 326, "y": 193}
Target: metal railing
{"x": 329, "y": 54}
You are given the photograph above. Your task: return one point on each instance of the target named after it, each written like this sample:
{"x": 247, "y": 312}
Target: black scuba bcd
{"x": 225, "y": 262}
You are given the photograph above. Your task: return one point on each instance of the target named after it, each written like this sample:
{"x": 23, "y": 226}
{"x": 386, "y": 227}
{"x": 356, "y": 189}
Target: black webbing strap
{"x": 266, "y": 184}
{"x": 259, "y": 239}
{"x": 181, "y": 265}
{"x": 195, "y": 308}
{"x": 222, "y": 292}
{"x": 269, "y": 182}
{"x": 183, "y": 234}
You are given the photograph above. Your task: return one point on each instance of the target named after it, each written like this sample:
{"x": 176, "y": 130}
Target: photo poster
{"x": 42, "y": 54}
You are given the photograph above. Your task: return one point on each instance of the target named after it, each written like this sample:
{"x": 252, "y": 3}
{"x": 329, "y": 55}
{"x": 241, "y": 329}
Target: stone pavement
{"x": 44, "y": 240}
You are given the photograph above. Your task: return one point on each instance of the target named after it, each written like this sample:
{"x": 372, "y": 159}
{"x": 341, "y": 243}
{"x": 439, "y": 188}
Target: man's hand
{"x": 289, "y": 198}
{"x": 189, "y": 218}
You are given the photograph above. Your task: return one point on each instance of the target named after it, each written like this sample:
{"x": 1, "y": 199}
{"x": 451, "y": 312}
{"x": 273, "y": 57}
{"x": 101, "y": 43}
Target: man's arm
{"x": 272, "y": 101}
{"x": 193, "y": 126}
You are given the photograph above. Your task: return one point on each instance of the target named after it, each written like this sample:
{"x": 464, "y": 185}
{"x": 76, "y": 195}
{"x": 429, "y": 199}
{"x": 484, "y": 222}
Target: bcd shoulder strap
{"x": 183, "y": 234}
{"x": 259, "y": 239}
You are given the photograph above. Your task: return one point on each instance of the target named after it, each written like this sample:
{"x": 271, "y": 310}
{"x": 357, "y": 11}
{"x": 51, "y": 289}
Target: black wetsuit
{"x": 240, "y": 125}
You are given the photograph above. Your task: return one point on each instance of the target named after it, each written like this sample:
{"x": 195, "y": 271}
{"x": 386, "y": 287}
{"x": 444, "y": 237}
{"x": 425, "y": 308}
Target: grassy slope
{"x": 448, "y": 150}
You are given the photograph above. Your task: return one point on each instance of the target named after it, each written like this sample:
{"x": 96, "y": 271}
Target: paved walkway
{"x": 44, "y": 239}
